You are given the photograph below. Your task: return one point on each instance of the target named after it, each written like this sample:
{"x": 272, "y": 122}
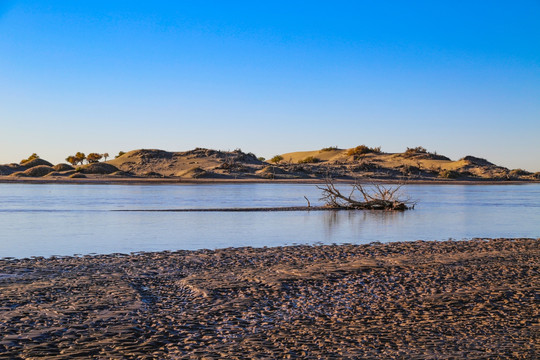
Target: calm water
{"x": 52, "y": 219}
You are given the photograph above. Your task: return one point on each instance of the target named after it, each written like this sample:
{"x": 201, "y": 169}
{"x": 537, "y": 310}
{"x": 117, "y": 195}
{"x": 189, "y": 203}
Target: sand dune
{"x": 308, "y": 165}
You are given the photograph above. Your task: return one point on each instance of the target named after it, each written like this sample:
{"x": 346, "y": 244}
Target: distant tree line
{"x": 80, "y": 157}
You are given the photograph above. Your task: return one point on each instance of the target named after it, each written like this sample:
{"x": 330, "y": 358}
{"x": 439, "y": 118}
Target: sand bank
{"x": 465, "y": 299}
{"x": 108, "y": 180}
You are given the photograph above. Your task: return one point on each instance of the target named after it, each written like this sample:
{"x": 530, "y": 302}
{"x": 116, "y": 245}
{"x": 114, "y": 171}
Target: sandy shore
{"x": 423, "y": 300}
{"x": 107, "y": 180}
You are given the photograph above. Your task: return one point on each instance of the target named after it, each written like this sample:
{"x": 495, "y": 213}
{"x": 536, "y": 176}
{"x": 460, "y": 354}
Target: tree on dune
{"x": 31, "y": 157}
{"x": 72, "y": 160}
{"x": 80, "y": 157}
{"x": 93, "y": 157}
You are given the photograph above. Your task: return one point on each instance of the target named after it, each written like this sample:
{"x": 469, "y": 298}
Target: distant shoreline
{"x": 176, "y": 181}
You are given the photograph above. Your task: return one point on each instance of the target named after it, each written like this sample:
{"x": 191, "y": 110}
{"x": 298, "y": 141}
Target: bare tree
{"x": 374, "y": 197}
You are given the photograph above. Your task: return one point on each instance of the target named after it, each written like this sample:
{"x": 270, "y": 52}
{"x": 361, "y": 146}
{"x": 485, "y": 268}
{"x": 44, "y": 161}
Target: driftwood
{"x": 373, "y": 197}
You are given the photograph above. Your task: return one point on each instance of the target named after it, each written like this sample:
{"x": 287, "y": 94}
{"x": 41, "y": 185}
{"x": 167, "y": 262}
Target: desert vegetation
{"x": 365, "y": 162}
{"x": 30, "y": 158}
{"x": 448, "y": 174}
{"x": 415, "y": 150}
{"x": 80, "y": 157}
{"x": 329, "y": 148}
{"x": 276, "y": 159}
{"x": 363, "y": 149}
{"x": 72, "y": 160}
{"x": 93, "y": 157}
{"x": 309, "y": 160}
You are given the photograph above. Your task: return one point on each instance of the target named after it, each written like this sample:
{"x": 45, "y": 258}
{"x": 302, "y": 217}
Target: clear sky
{"x": 457, "y": 77}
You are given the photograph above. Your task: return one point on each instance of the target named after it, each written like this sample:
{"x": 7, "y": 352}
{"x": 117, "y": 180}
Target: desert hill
{"x": 197, "y": 163}
{"x": 416, "y": 162}
{"x": 360, "y": 162}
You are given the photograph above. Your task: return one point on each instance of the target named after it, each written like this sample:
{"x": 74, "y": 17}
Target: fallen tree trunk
{"x": 374, "y": 197}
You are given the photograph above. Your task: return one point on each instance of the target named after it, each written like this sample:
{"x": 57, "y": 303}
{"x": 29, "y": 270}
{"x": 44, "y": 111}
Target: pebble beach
{"x": 474, "y": 299}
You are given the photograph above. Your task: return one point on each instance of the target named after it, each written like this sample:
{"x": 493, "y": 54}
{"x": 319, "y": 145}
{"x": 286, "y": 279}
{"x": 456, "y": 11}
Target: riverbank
{"x": 110, "y": 180}
{"x": 460, "y": 299}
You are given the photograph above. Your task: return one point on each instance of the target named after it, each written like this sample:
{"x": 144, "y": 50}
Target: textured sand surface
{"x": 424, "y": 300}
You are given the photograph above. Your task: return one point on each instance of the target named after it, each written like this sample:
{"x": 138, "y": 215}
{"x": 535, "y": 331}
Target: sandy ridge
{"x": 214, "y": 165}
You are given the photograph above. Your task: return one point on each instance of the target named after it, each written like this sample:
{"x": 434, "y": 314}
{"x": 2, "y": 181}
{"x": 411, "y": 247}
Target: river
{"x": 63, "y": 219}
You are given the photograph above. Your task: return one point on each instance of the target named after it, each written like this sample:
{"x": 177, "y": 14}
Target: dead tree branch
{"x": 374, "y": 197}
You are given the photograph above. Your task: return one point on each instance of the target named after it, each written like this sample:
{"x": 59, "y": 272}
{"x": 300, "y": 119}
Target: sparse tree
{"x": 31, "y": 157}
{"x": 80, "y": 157}
{"x": 276, "y": 159}
{"x": 93, "y": 157}
{"x": 105, "y": 156}
{"x": 72, "y": 160}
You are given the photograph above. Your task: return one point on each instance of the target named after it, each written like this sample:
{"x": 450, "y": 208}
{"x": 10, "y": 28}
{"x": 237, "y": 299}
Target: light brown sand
{"x": 466, "y": 299}
{"x": 207, "y": 164}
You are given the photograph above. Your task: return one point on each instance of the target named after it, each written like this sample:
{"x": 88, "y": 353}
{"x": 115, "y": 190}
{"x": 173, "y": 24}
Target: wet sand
{"x": 422, "y": 300}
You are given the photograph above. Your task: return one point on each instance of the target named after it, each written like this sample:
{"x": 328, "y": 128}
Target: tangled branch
{"x": 373, "y": 197}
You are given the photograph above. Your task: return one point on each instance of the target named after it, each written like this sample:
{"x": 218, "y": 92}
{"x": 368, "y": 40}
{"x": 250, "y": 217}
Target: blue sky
{"x": 457, "y": 77}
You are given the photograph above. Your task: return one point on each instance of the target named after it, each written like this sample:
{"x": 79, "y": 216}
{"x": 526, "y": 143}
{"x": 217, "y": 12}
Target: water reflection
{"x": 339, "y": 218}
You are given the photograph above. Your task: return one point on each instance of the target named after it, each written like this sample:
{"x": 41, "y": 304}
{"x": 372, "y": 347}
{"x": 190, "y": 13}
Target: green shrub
{"x": 410, "y": 169}
{"x": 448, "y": 174}
{"x": 31, "y": 157}
{"x": 260, "y": 158}
{"x": 309, "y": 160}
{"x": 276, "y": 159}
{"x": 330, "y": 148}
{"x": 415, "y": 150}
{"x": 363, "y": 149}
